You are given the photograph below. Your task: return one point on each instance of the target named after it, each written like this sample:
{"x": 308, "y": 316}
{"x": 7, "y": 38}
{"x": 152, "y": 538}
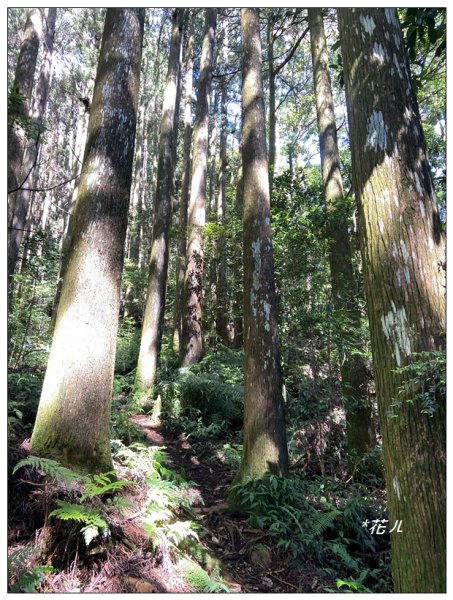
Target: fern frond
{"x": 342, "y": 553}
{"x": 51, "y": 468}
{"x": 79, "y": 513}
{"x": 102, "y": 484}
{"x": 322, "y": 520}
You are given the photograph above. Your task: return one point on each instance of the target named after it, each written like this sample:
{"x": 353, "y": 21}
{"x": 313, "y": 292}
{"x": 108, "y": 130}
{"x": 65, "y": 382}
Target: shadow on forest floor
{"x": 250, "y": 561}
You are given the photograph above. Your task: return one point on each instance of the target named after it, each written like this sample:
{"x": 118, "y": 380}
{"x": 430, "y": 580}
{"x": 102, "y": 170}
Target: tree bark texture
{"x": 360, "y": 430}
{"x": 29, "y": 169}
{"x": 184, "y": 200}
{"x": 17, "y": 138}
{"x": 157, "y": 281}
{"x": 73, "y": 420}
{"x": 403, "y": 254}
{"x": 265, "y": 449}
{"x": 191, "y": 342}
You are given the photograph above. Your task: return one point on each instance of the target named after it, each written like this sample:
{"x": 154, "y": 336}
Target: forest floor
{"x": 248, "y": 564}
{"x": 244, "y": 558}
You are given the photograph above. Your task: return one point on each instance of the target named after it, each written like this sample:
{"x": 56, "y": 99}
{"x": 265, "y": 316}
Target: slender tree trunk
{"x": 403, "y": 255}
{"x": 212, "y": 154}
{"x": 82, "y": 128}
{"x": 360, "y": 430}
{"x": 134, "y": 232}
{"x": 73, "y": 420}
{"x": 272, "y": 115}
{"x": 155, "y": 301}
{"x": 17, "y": 138}
{"x": 191, "y": 339}
{"x": 222, "y": 286}
{"x": 265, "y": 449}
{"x": 184, "y": 199}
{"x": 133, "y": 308}
{"x": 29, "y": 169}
{"x": 238, "y": 302}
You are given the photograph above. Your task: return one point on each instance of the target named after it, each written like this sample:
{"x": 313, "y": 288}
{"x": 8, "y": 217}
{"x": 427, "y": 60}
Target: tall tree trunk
{"x": 29, "y": 169}
{"x": 238, "y": 301}
{"x": 360, "y": 430}
{"x": 265, "y": 449}
{"x": 155, "y": 302}
{"x": 18, "y": 113}
{"x": 272, "y": 115}
{"x": 222, "y": 286}
{"x": 191, "y": 339}
{"x": 403, "y": 255}
{"x": 212, "y": 153}
{"x": 134, "y": 233}
{"x": 132, "y": 307}
{"x": 184, "y": 199}
{"x": 82, "y": 129}
{"x": 73, "y": 420}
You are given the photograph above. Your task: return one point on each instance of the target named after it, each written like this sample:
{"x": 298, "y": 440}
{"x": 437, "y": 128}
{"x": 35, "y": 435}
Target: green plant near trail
{"x": 24, "y": 390}
{"x": 213, "y": 387}
{"x": 124, "y": 406}
{"x": 317, "y": 523}
{"x": 168, "y": 494}
{"x": 92, "y": 518}
{"x": 52, "y": 469}
{"x": 127, "y": 346}
{"x": 352, "y": 586}
{"x": 197, "y": 577}
{"x": 23, "y": 576}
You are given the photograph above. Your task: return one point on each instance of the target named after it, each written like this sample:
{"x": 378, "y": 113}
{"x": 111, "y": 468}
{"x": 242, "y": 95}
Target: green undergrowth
{"x": 319, "y": 522}
{"x": 24, "y": 390}
{"x": 85, "y": 511}
{"x": 212, "y": 389}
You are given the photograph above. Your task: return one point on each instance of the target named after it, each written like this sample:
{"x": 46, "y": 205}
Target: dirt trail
{"x": 251, "y": 562}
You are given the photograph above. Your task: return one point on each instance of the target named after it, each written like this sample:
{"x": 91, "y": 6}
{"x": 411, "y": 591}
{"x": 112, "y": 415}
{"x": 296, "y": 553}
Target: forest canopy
{"x": 226, "y": 299}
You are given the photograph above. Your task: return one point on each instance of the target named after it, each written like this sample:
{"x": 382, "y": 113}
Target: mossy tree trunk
{"x": 73, "y": 420}
{"x": 184, "y": 198}
{"x": 360, "y": 431}
{"x": 265, "y": 449}
{"x": 403, "y": 254}
{"x": 157, "y": 281}
{"x": 17, "y": 115}
{"x": 191, "y": 339}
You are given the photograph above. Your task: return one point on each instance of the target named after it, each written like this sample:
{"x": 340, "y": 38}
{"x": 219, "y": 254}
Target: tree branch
{"x": 291, "y": 53}
{"x": 53, "y": 187}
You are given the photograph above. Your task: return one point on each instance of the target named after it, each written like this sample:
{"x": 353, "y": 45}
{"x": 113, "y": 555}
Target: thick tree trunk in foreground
{"x": 360, "y": 430}
{"x": 73, "y": 420}
{"x": 403, "y": 255}
{"x": 17, "y": 139}
{"x": 29, "y": 169}
{"x": 184, "y": 200}
{"x": 191, "y": 339}
{"x": 265, "y": 449}
{"x": 155, "y": 301}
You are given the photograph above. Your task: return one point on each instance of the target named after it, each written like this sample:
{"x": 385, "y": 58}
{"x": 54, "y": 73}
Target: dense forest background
{"x": 226, "y": 300}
